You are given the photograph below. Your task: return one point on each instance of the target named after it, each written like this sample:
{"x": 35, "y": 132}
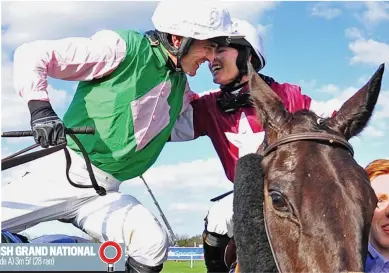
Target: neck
{"x": 235, "y": 85}
{"x": 382, "y": 250}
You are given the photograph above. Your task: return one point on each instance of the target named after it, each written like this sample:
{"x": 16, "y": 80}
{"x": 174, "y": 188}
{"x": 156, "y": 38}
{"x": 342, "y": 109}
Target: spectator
{"x": 378, "y": 255}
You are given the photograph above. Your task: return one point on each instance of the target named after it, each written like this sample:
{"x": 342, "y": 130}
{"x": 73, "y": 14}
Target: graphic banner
{"x": 186, "y": 253}
{"x": 108, "y": 257}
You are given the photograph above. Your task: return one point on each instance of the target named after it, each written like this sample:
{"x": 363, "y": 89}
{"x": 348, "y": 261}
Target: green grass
{"x": 183, "y": 267}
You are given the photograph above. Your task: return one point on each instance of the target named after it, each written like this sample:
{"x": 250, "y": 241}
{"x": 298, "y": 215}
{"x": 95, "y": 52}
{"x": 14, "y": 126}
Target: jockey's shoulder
{"x": 270, "y": 81}
{"x": 209, "y": 92}
{"x": 205, "y": 98}
{"x": 281, "y": 87}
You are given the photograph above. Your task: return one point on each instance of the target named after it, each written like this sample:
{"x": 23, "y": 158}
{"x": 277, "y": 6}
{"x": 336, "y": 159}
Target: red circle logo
{"x": 104, "y": 246}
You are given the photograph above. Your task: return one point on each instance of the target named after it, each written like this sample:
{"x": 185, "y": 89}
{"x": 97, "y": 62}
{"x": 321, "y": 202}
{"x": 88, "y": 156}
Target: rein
{"x": 17, "y": 159}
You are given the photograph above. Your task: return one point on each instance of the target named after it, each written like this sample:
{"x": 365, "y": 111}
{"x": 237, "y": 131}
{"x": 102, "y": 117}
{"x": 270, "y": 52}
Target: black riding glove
{"x": 47, "y": 128}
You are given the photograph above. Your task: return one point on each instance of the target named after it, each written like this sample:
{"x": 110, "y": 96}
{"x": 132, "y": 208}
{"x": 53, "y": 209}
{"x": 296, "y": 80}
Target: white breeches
{"x": 220, "y": 216}
{"x": 43, "y": 193}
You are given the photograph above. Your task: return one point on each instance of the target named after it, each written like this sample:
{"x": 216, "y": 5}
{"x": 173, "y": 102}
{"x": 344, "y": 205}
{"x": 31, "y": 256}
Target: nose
{"x": 210, "y": 54}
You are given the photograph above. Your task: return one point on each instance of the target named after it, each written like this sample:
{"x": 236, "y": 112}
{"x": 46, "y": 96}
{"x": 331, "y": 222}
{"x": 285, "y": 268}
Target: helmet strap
{"x": 177, "y": 52}
{"x": 182, "y": 51}
{"x": 235, "y": 97}
{"x": 156, "y": 41}
{"x": 232, "y": 89}
{"x": 232, "y": 98}
{"x": 242, "y": 59}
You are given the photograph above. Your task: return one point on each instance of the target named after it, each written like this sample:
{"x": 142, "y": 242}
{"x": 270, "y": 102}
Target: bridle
{"x": 320, "y": 137}
{"x": 324, "y": 138}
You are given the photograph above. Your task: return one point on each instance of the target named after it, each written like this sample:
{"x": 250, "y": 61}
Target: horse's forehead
{"x": 283, "y": 164}
{"x": 303, "y": 121}
{"x": 302, "y": 167}
{"x": 299, "y": 165}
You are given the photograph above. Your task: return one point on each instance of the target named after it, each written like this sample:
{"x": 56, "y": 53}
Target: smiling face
{"x": 223, "y": 68}
{"x": 199, "y": 52}
{"x": 379, "y": 234}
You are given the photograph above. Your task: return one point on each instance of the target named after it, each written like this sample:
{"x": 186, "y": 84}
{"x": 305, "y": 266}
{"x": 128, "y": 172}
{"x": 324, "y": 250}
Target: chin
{"x": 221, "y": 82}
{"x": 383, "y": 238}
{"x": 217, "y": 80}
{"x": 191, "y": 73}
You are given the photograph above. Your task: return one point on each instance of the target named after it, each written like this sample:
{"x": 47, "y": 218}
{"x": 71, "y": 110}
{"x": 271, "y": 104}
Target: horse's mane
{"x": 253, "y": 250}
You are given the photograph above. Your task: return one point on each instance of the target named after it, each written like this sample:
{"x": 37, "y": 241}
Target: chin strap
{"x": 234, "y": 97}
{"x": 156, "y": 38}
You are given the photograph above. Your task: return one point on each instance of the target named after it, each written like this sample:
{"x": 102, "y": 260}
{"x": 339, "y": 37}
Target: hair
{"x": 377, "y": 167}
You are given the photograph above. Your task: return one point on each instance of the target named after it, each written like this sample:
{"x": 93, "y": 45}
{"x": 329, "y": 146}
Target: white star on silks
{"x": 245, "y": 140}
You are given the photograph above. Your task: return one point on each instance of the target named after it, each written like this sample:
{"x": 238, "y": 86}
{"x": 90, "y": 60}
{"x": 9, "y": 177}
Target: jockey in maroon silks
{"x": 227, "y": 117}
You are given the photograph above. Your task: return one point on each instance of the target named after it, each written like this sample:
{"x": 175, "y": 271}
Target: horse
{"x": 302, "y": 203}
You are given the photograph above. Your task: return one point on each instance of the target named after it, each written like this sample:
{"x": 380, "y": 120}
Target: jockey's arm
{"x": 73, "y": 59}
{"x": 192, "y": 122}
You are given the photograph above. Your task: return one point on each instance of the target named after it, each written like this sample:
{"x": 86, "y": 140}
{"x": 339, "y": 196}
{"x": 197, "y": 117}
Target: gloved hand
{"x": 47, "y": 128}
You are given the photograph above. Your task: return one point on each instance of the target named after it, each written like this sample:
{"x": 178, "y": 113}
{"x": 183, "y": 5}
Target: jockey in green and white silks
{"x": 132, "y": 89}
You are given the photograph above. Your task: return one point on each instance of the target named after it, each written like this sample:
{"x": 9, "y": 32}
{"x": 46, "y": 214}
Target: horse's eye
{"x": 279, "y": 202}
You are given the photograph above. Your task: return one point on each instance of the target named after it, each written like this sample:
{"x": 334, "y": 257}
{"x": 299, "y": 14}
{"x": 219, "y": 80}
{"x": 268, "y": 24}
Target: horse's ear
{"x": 270, "y": 109}
{"x": 356, "y": 112}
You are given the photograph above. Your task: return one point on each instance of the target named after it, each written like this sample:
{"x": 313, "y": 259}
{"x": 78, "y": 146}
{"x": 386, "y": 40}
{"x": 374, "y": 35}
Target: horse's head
{"x": 318, "y": 201}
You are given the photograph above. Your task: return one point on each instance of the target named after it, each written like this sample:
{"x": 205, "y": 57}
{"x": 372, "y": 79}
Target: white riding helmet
{"x": 199, "y": 20}
{"x": 252, "y": 37}
{"x": 250, "y": 45}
